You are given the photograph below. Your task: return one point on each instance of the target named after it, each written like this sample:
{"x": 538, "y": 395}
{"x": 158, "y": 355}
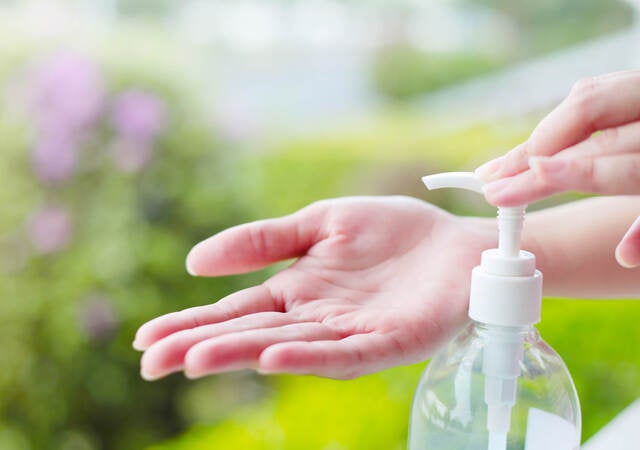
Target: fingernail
{"x": 623, "y": 262}
{"x": 190, "y": 270}
{"x": 632, "y": 257}
{"x": 489, "y": 170}
{"x": 545, "y": 165}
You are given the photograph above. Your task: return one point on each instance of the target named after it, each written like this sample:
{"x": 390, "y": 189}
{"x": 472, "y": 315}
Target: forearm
{"x": 575, "y": 247}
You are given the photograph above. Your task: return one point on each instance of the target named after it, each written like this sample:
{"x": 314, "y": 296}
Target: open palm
{"x": 379, "y": 281}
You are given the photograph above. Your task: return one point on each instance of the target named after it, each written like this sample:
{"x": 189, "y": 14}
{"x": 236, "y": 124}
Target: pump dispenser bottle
{"x": 497, "y": 385}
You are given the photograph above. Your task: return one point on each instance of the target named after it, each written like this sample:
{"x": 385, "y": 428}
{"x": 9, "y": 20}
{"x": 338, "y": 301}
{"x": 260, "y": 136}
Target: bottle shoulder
{"x": 469, "y": 346}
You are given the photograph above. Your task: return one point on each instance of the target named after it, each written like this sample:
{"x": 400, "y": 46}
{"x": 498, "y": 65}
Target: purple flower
{"x": 65, "y": 95}
{"x": 66, "y": 90}
{"x": 50, "y": 229}
{"x": 138, "y": 116}
{"x": 54, "y": 158}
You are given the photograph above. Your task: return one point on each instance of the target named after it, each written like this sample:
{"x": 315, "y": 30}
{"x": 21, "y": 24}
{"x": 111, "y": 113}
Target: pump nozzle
{"x": 460, "y": 180}
{"x": 510, "y": 219}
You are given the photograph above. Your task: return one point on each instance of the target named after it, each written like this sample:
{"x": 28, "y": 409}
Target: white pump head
{"x": 506, "y": 289}
{"x": 510, "y": 219}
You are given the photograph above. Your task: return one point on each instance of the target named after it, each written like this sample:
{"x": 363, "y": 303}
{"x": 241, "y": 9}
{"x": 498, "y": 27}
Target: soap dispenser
{"x": 497, "y": 385}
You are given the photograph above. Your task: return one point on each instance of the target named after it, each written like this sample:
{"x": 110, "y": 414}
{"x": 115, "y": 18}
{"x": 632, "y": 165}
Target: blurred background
{"x": 131, "y": 129}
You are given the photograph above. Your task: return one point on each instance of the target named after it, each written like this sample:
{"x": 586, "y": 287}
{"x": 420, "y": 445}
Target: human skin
{"x": 589, "y": 143}
{"x": 378, "y": 282}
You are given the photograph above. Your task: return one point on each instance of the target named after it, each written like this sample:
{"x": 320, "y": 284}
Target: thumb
{"x": 628, "y": 250}
{"x": 252, "y": 246}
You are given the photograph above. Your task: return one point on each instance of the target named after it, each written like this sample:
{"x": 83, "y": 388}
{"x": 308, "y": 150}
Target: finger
{"x": 628, "y": 250}
{"x": 593, "y": 104}
{"x": 247, "y": 301}
{"x": 347, "y": 358}
{"x": 517, "y": 190}
{"x": 167, "y": 355}
{"x": 617, "y": 174}
{"x": 569, "y": 169}
{"x": 611, "y": 141}
{"x": 254, "y": 245}
{"x": 242, "y": 350}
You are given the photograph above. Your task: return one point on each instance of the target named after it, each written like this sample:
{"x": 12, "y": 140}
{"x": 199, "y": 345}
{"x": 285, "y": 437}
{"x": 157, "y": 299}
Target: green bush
{"x": 402, "y": 72}
{"x": 91, "y": 250}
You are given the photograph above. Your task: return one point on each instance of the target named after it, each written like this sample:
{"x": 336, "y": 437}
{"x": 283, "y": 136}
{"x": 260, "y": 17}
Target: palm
{"x": 378, "y": 282}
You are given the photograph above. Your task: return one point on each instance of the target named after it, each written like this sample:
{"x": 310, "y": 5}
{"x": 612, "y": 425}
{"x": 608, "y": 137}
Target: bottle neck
{"x": 486, "y": 329}
{"x": 510, "y": 222}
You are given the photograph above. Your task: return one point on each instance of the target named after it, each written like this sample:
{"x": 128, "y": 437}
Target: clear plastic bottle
{"x": 498, "y": 385}
{"x": 450, "y": 410}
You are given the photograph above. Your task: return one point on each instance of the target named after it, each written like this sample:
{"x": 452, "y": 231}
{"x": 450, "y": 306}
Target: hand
{"x": 564, "y": 154}
{"x": 378, "y": 282}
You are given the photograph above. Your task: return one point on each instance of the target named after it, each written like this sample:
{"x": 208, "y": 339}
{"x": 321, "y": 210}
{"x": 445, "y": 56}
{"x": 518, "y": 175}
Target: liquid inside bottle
{"x": 450, "y": 409}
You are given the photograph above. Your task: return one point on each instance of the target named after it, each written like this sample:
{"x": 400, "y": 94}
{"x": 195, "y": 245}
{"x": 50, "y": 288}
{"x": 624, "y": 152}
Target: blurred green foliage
{"x": 547, "y": 25}
{"x": 370, "y": 412}
{"x": 402, "y": 71}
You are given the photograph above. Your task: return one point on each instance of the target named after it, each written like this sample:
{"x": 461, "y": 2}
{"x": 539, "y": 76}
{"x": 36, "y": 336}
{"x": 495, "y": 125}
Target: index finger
{"x": 594, "y": 104}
